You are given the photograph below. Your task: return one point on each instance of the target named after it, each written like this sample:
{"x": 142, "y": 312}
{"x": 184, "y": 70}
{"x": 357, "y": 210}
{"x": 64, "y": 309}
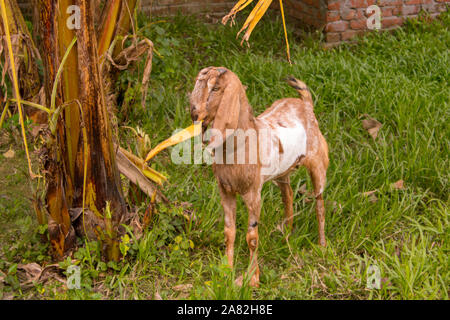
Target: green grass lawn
{"x": 399, "y": 78}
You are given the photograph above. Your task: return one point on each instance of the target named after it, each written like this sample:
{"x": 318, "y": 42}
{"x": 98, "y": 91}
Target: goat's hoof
{"x": 284, "y": 228}
{"x": 254, "y": 282}
{"x": 239, "y": 281}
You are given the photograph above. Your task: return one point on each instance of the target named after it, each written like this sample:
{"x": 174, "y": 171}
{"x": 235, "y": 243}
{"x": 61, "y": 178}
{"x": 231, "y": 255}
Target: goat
{"x": 219, "y": 98}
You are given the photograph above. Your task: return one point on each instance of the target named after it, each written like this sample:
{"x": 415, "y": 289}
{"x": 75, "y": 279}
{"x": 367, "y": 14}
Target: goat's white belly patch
{"x": 281, "y": 158}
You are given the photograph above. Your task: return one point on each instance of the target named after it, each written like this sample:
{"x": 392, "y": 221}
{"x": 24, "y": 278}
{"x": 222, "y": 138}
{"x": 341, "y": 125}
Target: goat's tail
{"x": 300, "y": 86}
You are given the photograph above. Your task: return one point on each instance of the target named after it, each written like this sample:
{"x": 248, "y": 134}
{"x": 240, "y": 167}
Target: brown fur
{"x": 219, "y": 99}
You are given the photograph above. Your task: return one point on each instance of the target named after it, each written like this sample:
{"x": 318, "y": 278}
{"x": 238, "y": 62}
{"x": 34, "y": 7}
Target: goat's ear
{"x": 227, "y": 116}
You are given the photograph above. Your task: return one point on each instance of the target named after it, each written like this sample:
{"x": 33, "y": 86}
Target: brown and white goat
{"x": 219, "y": 99}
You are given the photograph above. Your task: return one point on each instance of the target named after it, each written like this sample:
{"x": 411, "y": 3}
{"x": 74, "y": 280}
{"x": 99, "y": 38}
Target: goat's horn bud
{"x": 221, "y": 71}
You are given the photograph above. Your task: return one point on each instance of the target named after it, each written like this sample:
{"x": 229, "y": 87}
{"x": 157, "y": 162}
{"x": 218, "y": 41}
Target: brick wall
{"x": 170, "y": 7}
{"x": 310, "y": 12}
{"x": 346, "y": 19}
{"x": 341, "y": 20}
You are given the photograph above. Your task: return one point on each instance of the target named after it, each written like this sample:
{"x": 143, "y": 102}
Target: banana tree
{"x": 80, "y": 170}
{"x": 80, "y": 157}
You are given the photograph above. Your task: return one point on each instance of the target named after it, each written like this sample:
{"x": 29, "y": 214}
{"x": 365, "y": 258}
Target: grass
{"x": 399, "y": 78}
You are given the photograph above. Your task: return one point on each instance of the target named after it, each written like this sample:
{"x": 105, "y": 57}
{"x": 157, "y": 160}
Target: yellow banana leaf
{"x": 242, "y": 4}
{"x": 253, "y": 18}
{"x": 150, "y": 173}
{"x": 185, "y": 134}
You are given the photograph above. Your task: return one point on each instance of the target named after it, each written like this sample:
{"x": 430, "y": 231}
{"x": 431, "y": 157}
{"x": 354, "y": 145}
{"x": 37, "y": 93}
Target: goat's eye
{"x": 215, "y": 89}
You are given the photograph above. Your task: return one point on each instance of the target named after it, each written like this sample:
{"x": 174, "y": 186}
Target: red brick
{"x": 348, "y": 14}
{"x": 337, "y": 26}
{"x": 293, "y": 13}
{"x": 309, "y": 20}
{"x": 308, "y": 10}
{"x": 358, "y": 24}
{"x": 358, "y": 3}
{"x": 413, "y": 2}
{"x": 297, "y": 5}
{"x": 383, "y": 3}
{"x": 391, "y": 21}
{"x": 396, "y": 11}
{"x": 166, "y": 2}
{"x": 360, "y": 13}
{"x": 314, "y": 3}
{"x": 407, "y": 10}
{"x": 333, "y": 16}
{"x": 386, "y": 12}
{"x": 320, "y": 15}
{"x": 334, "y": 5}
{"x": 333, "y": 37}
{"x": 348, "y": 34}
{"x": 330, "y": 45}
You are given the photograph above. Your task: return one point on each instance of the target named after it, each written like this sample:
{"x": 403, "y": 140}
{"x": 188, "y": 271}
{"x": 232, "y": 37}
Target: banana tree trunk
{"x": 70, "y": 184}
{"x": 103, "y": 179}
{"x": 54, "y": 159}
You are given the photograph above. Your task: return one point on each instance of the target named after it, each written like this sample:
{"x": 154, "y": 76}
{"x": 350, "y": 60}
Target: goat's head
{"x": 216, "y": 99}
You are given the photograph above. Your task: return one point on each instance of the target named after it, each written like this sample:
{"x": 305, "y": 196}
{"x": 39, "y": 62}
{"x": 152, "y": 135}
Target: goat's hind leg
{"x": 318, "y": 171}
{"x": 287, "y": 195}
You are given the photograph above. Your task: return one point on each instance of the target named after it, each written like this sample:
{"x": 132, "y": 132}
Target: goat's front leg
{"x": 252, "y": 200}
{"x": 228, "y": 201}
